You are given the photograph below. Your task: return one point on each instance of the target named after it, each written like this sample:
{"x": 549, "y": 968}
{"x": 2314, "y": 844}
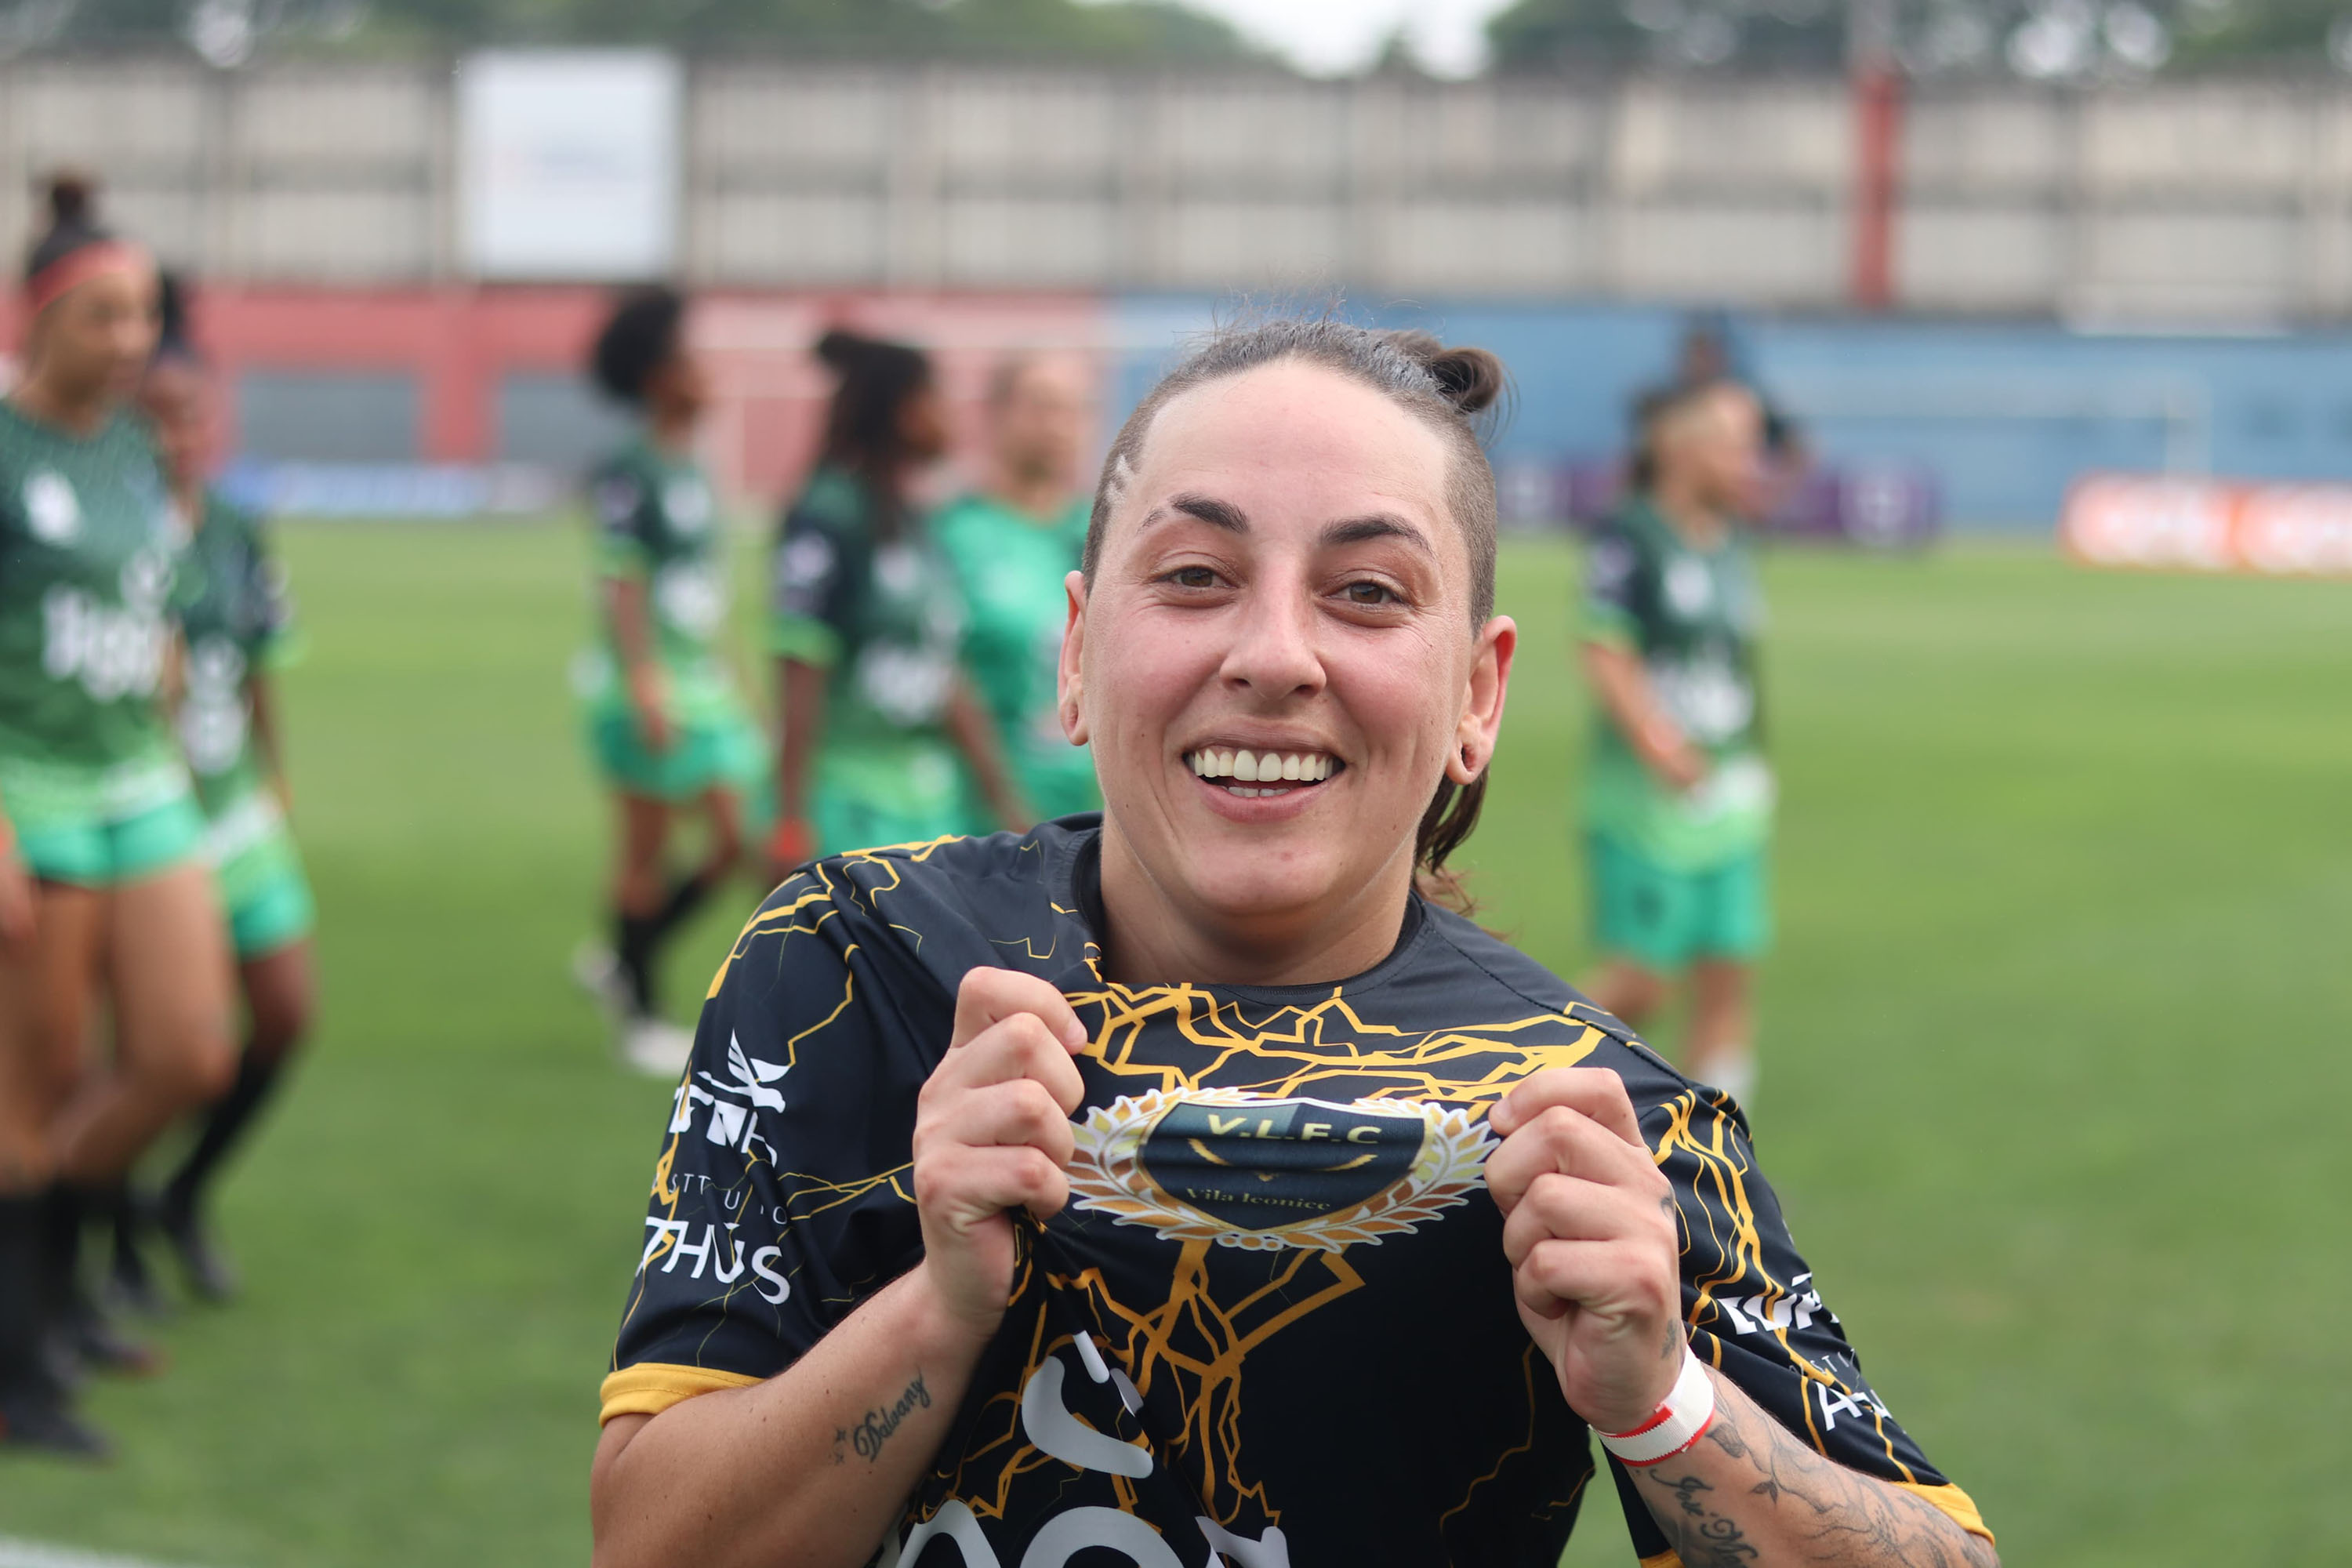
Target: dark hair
{"x": 637, "y": 339}
{"x": 865, "y": 425}
{"x": 71, "y": 195}
{"x": 1448, "y": 389}
{"x": 1652, "y": 409}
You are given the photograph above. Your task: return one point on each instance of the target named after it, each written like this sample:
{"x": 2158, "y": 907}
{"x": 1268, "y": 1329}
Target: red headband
{"x": 77, "y": 267}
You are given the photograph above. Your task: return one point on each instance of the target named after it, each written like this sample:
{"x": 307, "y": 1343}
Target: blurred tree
{"x": 2234, "y": 32}
{"x": 227, "y": 31}
{"x": 1552, "y": 34}
{"x": 2040, "y": 40}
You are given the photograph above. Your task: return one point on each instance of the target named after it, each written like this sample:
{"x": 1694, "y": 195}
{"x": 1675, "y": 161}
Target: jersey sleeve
{"x": 782, "y": 1197}
{"x": 624, "y": 504}
{"x": 1757, "y": 1317}
{"x": 811, "y": 590}
{"x": 1613, "y": 571}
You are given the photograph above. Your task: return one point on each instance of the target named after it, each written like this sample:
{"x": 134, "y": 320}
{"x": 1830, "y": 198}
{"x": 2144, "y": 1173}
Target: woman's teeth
{"x": 1276, "y": 768}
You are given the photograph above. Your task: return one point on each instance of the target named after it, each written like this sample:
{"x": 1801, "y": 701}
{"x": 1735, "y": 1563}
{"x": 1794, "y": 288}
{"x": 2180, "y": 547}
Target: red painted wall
{"x": 458, "y": 341}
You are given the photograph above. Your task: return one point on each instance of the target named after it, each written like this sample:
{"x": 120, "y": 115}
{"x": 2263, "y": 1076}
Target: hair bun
{"x": 1470, "y": 379}
{"x": 71, "y": 194}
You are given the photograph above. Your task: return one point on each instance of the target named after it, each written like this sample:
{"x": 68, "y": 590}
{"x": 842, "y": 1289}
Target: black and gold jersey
{"x": 1275, "y": 1324}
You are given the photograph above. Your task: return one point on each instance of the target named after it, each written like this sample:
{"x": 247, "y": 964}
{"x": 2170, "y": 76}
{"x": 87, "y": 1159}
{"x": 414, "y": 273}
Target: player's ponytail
{"x": 73, "y": 227}
{"x": 1452, "y": 816}
{"x": 71, "y": 192}
{"x": 1471, "y": 379}
{"x": 873, "y": 380}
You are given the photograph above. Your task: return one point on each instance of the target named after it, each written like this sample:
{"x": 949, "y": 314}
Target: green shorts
{"x": 98, "y": 827}
{"x": 1662, "y": 918}
{"x": 721, "y": 751}
{"x": 866, "y": 797}
{"x": 98, "y": 853}
{"x": 258, "y": 871}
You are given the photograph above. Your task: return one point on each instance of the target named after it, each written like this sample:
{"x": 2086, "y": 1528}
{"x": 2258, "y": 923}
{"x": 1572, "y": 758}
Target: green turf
{"x": 2063, "y": 885}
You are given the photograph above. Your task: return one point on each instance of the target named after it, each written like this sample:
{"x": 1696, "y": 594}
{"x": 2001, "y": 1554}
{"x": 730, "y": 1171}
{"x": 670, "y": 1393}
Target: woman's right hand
{"x": 1673, "y": 757}
{"x": 992, "y": 1133}
{"x": 653, "y": 716}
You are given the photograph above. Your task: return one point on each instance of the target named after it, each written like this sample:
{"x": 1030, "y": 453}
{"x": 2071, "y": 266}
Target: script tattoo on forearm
{"x": 876, "y": 1427}
{"x": 1830, "y": 1514}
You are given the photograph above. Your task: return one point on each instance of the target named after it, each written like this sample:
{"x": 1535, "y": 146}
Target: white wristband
{"x": 1675, "y": 1424}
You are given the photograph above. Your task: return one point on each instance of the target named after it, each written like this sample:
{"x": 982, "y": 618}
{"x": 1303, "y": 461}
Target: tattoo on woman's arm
{"x": 1838, "y": 1516}
{"x": 875, "y": 1428}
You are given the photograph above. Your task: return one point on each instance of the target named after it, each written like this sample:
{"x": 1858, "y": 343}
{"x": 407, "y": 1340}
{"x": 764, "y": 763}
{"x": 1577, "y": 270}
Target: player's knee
{"x": 194, "y": 1067}
{"x": 280, "y": 1009}
{"x": 210, "y": 1071}
{"x": 278, "y": 1026}
{"x": 58, "y": 1051}
{"x": 1631, "y": 993}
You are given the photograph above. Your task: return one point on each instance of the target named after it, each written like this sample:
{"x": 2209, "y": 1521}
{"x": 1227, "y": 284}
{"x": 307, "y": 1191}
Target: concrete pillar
{"x": 911, "y": 239}
{"x": 2326, "y": 281}
{"x": 1375, "y": 132}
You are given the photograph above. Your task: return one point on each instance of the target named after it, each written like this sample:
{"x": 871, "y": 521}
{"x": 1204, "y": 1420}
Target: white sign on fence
{"x": 568, "y": 164}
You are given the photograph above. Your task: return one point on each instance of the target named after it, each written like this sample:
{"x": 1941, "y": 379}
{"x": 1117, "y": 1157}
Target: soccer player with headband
{"x": 103, "y": 886}
{"x": 1195, "y": 1185}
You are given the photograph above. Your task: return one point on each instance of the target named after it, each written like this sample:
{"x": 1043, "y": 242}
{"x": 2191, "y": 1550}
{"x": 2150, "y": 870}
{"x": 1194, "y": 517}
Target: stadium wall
{"x": 2003, "y": 416}
{"x": 2158, "y": 202}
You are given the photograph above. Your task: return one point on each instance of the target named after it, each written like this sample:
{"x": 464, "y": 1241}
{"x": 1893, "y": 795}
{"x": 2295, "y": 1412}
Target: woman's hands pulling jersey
{"x": 1589, "y": 1227}
{"x": 992, "y": 1134}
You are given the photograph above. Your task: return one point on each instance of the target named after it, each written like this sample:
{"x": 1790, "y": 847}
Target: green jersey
{"x": 884, "y": 617}
{"x": 238, "y": 618}
{"x": 658, "y": 525}
{"x": 1692, "y": 616}
{"x": 90, "y": 545}
{"x": 1009, "y": 567}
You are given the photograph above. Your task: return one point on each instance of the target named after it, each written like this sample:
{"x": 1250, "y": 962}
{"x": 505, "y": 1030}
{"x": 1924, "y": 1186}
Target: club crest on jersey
{"x": 686, "y": 499}
{"x": 52, "y": 511}
{"x": 1245, "y": 1170}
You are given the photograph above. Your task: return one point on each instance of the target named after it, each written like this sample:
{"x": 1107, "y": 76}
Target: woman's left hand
{"x": 1589, "y": 1227}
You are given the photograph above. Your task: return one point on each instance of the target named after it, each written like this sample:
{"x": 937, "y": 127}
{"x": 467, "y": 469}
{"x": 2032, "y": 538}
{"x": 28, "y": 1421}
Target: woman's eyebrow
{"x": 1378, "y": 525}
{"x": 1207, "y": 509}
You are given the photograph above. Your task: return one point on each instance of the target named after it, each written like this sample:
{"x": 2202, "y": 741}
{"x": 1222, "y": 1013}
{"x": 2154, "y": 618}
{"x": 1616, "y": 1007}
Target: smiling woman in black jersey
{"x": 1186, "y": 1185}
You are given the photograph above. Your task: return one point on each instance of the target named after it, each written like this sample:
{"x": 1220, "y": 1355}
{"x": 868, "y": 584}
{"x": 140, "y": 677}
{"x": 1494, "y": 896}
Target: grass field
{"x": 2055, "y": 1039}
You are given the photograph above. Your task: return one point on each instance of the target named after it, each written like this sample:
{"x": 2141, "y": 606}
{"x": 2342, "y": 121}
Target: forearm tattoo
{"x": 877, "y": 1426}
{"x": 1777, "y": 1494}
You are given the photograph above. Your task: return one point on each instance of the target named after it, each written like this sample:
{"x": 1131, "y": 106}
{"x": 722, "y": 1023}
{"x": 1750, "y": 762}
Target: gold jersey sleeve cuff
{"x": 651, "y": 1387}
{"x": 1961, "y": 1507}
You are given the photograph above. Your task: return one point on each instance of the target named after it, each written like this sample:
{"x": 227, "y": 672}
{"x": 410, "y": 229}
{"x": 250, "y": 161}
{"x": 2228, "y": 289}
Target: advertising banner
{"x": 2157, "y": 522}
{"x": 1871, "y": 505}
{"x": 568, "y": 164}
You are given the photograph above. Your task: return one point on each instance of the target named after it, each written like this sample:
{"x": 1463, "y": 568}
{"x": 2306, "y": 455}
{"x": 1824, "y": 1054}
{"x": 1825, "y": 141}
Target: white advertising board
{"x": 2209, "y": 525}
{"x": 568, "y": 164}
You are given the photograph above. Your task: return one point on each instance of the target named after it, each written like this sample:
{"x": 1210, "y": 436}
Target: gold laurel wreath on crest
{"x": 1106, "y": 1174}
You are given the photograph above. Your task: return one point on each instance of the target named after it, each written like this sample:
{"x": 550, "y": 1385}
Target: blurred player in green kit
{"x": 104, "y": 892}
{"x": 883, "y": 740}
{"x": 667, "y": 730}
{"x": 238, "y": 626}
{"x": 1010, "y": 546}
{"x": 1679, "y": 804}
